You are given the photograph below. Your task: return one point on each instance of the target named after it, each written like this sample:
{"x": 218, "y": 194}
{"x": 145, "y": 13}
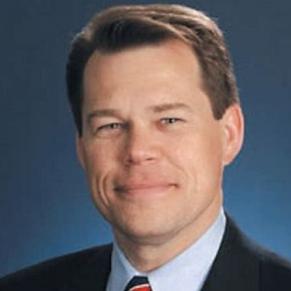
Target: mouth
{"x": 144, "y": 190}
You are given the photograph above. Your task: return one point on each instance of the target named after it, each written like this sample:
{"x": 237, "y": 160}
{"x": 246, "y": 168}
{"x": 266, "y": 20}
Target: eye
{"x": 170, "y": 120}
{"x": 109, "y": 128}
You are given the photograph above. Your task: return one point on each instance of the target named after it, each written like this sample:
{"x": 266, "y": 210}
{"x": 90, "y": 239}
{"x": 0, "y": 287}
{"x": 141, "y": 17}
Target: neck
{"x": 151, "y": 253}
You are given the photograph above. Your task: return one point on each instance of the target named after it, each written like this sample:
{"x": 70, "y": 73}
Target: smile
{"x": 144, "y": 189}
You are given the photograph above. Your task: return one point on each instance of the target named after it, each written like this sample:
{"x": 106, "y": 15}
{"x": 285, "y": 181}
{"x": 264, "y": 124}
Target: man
{"x": 158, "y": 118}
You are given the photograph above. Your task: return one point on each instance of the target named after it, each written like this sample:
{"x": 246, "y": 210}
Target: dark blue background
{"x": 45, "y": 208}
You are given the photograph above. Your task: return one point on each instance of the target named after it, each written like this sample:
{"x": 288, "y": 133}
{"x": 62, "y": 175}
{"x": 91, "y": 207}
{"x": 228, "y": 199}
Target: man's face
{"x": 151, "y": 149}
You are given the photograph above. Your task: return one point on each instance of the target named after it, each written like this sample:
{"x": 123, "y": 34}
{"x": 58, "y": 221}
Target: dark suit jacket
{"x": 240, "y": 265}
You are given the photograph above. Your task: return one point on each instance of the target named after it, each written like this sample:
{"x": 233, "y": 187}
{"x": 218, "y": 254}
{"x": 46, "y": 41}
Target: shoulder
{"x": 274, "y": 272}
{"x": 242, "y": 264}
{"x": 62, "y": 272}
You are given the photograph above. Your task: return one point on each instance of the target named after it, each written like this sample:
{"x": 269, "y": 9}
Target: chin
{"x": 142, "y": 232}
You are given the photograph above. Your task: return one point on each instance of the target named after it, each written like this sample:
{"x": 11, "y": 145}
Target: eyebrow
{"x": 169, "y": 106}
{"x": 155, "y": 108}
{"x": 101, "y": 113}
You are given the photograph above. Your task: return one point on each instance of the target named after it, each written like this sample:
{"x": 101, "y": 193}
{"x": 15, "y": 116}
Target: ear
{"x": 80, "y": 150}
{"x": 233, "y": 132}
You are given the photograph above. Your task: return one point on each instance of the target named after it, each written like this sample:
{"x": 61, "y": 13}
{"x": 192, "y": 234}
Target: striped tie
{"x": 138, "y": 283}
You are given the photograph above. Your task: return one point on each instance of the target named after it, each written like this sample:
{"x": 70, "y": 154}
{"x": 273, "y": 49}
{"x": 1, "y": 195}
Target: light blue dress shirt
{"x": 187, "y": 271}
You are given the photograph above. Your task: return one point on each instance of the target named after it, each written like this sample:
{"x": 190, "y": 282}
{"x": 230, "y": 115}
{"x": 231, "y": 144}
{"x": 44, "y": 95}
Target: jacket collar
{"x": 235, "y": 266}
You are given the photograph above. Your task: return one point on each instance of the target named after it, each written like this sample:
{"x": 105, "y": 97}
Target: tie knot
{"x": 138, "y": 283}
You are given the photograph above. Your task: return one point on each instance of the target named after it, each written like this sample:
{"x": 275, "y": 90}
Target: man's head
{"x": 157, "y": 110}
{"x": 123, "y": 27}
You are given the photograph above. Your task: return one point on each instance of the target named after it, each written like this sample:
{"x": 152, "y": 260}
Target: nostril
{"x": 141, "y": 155}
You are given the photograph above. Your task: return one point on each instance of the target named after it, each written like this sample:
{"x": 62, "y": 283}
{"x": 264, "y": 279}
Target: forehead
{"x": 170, "y": 55}
{"x": 168, "y": 68}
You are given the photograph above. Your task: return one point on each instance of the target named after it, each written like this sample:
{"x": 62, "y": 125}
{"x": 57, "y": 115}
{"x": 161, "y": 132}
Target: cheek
{"x": 99, "y": 159}
{"x": 98, "y": 168}
{"x": 210, "y": 166}
{"x": 200, "y": 160}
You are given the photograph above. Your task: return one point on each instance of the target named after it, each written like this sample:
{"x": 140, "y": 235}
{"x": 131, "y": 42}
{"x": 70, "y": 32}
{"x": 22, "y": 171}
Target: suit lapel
{"x": 93, "y": 275}
{"x": 235, "y": 267}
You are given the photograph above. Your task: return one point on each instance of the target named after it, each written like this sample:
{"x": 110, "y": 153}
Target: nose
{"x": 141, "y": 146}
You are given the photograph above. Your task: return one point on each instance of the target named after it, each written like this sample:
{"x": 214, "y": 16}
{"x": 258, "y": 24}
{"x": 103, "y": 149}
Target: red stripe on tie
{"x": 138, "y": 283}
{"x": 143, "y": 287}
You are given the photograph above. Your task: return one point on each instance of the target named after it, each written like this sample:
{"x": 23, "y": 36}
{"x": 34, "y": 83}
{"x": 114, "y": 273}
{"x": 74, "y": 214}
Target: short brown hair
{"x": 121, "y": 27}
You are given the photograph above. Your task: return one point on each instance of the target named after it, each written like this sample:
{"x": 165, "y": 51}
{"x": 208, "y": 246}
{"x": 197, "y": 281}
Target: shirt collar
{"x": 190, "y": 268}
